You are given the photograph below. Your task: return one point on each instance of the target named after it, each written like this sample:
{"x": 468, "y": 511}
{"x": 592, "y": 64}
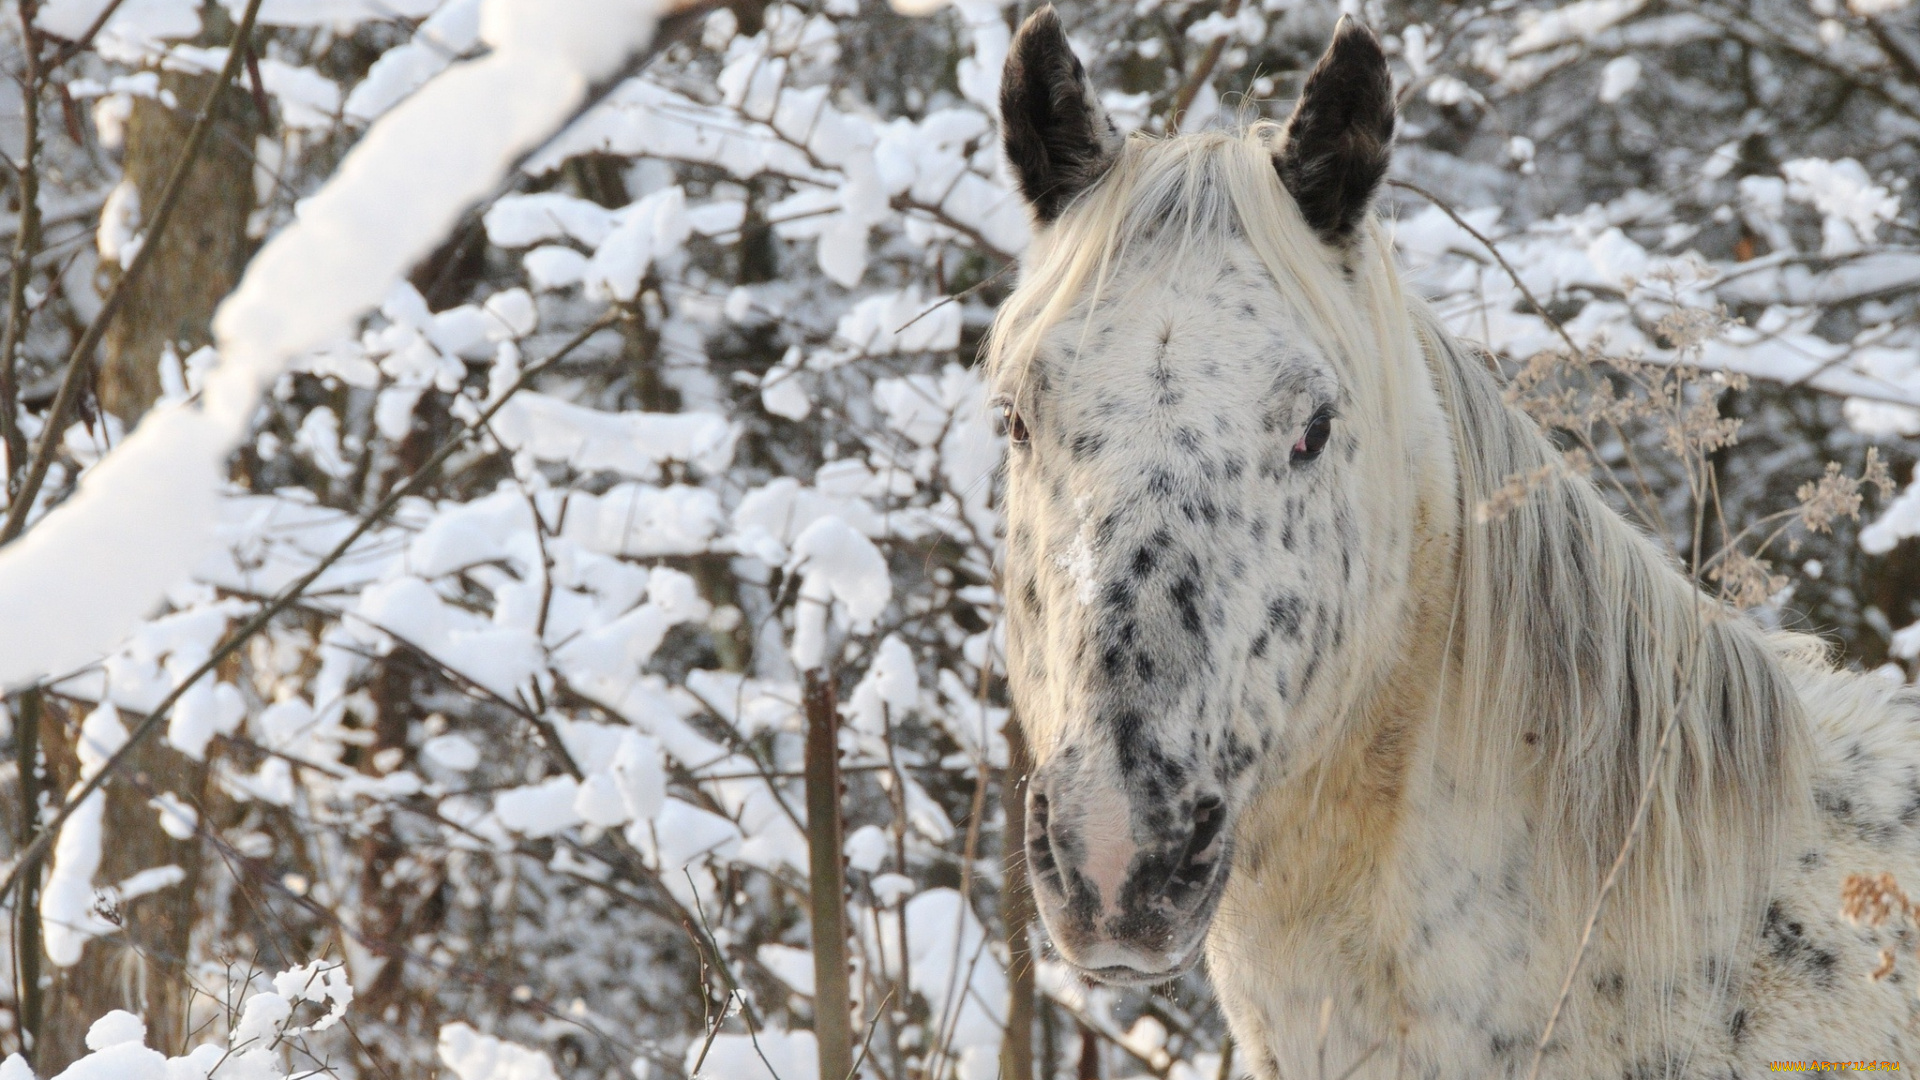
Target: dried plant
{"x": 1873, "y": 900}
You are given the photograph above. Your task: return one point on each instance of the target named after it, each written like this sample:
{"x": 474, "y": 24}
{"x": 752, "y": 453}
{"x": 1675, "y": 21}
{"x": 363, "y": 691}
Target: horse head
{"x": 1206, "y": 501}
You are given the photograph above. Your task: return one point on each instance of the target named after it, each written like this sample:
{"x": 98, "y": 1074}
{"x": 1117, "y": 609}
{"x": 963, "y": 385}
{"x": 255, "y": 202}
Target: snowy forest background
{"x": 474, "y": 744}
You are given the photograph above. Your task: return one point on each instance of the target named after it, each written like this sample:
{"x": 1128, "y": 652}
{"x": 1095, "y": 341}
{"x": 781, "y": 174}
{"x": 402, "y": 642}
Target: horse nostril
{"x": 1039, "y": 842}
{"x": 1204, "y": 846}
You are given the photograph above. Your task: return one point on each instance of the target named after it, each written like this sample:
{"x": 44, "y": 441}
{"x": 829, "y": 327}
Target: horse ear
{"x": 1341, "y": 134}
{"x": 1056, "y": 134}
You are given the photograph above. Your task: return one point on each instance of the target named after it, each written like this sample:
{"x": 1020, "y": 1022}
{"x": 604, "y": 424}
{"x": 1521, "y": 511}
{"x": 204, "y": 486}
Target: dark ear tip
{"x": 1045, "y": 21}
{"x": 1351, "y": 33}
{"x": 1355, "y": 48}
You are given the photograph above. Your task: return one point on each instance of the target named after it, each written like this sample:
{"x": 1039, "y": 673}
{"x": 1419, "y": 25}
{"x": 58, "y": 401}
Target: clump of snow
{"x": 251, "y": 1050}
{"x": 539, "y": 810}
{"x": 1900, "y": 520}
{"x": 1578, "y": 21}
{"x": 118, "y": 237}
{"x": 67, "y": 909}
{"x": 474, "y": 1056}
{"x": 1618, "y": 78}
{"x": 118, "y": 1026}
{"x": 843, "y": 572}
{"x": 451, "y": 751}
{"x": 177, "y": 819}
{"x": 1853, "y": 206}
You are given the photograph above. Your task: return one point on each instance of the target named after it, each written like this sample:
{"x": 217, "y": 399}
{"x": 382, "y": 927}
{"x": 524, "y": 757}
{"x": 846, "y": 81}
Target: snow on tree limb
{"x": 397, "y": 193}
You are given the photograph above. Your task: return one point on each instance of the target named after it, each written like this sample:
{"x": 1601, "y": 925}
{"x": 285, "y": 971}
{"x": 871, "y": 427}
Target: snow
{"x": 947, "y": 940}
{"x": 450, "y": 32}
{"x": 308, "y": 100}
{"x": 867, "y": 848}
{"x": 177, "y": 819}
{"x": 633, "y": 445}
{"x": 67, "y": 898}
{"x": 891, "y": 683}
{"x": 135, "y": 25}
{"x": 683, "y": 833}
{"x": 118, "y": 1026}
{"x": 118, "y": 237}
{"x": 539, "y": 810}
{"x": 473, "y": 1056}
{"x": 356, "y": 236}
{"x": 149, "y": 881}
{"x": 452, "y": 751}
{"x": 1570, "y": 22}
{"x": 1853, "y": 205}
{"x": 1900, "y": 519}
{"x": 338, "y": 15}
{"x": 126, "y": 1061}
{"x": 842, "y": 569}
{"x": 1618, "y": 78}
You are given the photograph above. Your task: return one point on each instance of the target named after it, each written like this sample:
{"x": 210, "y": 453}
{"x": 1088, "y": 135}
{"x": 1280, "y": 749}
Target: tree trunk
{"x": 205, "y": 248}
{"x": 143, "y": 967}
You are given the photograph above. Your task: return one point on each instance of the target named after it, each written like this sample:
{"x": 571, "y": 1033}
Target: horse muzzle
{"x": 1120, "y": 910}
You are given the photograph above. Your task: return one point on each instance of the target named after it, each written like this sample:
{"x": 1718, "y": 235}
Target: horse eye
{"x": 1314, "y": 439}
{"x": 1011, "y": 425}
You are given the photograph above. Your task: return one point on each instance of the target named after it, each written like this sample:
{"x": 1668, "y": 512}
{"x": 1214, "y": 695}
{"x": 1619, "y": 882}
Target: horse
{"x": 1295, "y": 707}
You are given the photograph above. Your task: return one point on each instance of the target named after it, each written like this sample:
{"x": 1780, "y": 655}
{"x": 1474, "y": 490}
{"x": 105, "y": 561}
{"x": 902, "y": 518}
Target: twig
{"x": 1895, "y": 49}
{"x": 81, "y": 361}
{"x": 866, "y": 1044}
{"x": 1493, "y": 250}
{"x": 1201, "y": 73}
{"x": 961, "y": 295}
{"x": 726, "y": 972}
{"x": 283, "y": 600}
{"x": 259, "y": 89}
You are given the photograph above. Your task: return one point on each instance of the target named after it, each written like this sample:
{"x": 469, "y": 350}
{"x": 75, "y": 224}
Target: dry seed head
{"x": 1746, "y": 581}
{"x": 1872, "y": 900}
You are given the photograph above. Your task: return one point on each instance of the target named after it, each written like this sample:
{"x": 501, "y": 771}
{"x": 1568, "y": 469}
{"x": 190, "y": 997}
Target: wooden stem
{"x": 1016, "y": 906}
{"x": 26, "y": 940}
{"x": 832, "y": 999}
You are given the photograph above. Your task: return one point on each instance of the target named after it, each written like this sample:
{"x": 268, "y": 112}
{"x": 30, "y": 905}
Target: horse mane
{"x": 1575, "y": 640}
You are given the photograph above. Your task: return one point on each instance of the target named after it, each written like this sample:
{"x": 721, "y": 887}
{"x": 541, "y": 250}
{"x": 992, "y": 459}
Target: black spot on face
{"x": 1283, "y": 614}
{"x": 1143, "y": 560}
{"x": 1186, "y": 594}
